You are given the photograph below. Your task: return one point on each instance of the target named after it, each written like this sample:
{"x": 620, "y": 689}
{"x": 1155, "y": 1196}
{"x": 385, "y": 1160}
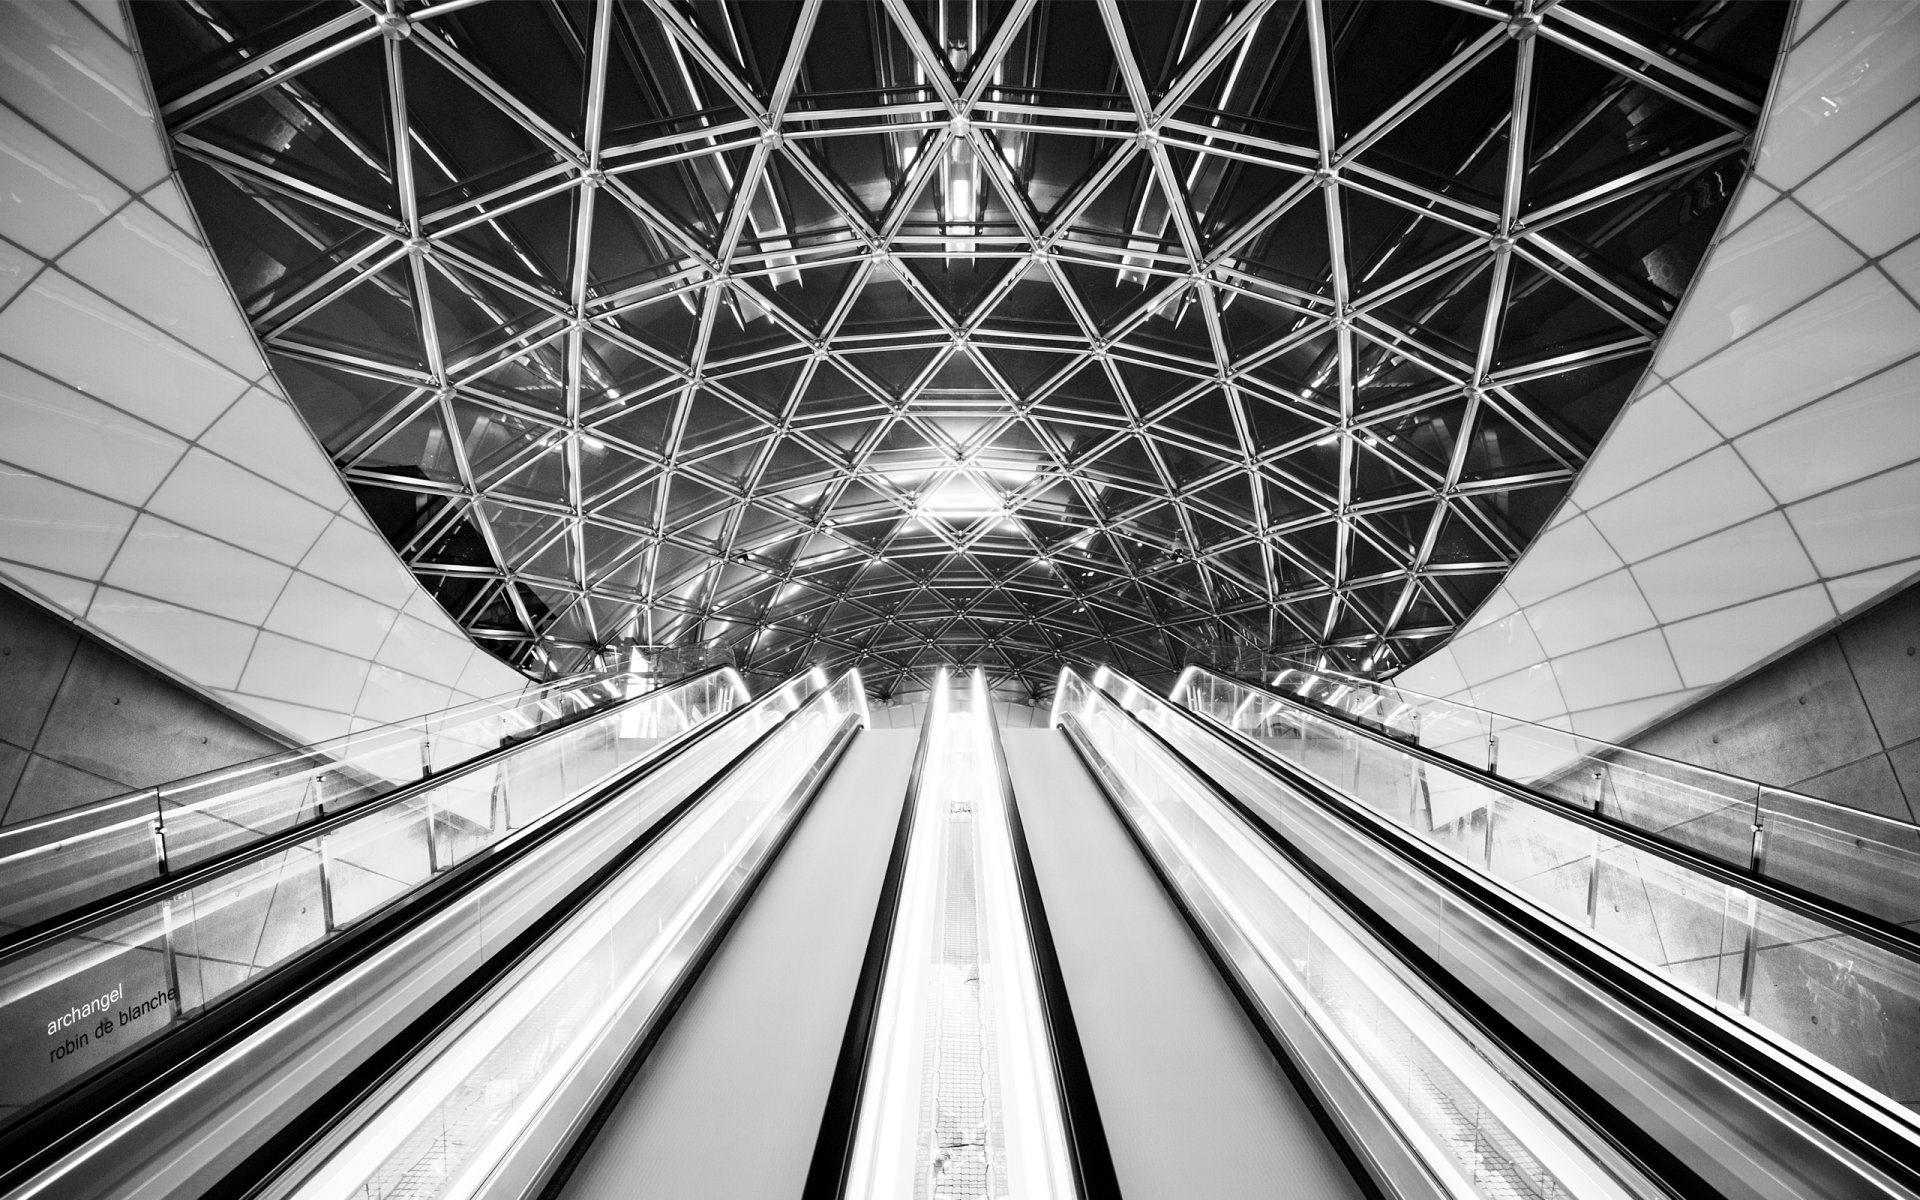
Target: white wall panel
{"x": 155, "y": 484}
{"x": 1765, "y": 483}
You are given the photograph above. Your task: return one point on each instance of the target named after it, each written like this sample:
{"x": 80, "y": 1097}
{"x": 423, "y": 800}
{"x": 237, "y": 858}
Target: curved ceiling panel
{"x": 1002, "y": 333}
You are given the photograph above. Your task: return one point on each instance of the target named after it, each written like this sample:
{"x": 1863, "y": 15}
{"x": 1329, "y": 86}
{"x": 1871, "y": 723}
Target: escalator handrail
{"x": 84, "y": 916}
{"x": 1090, "y": 1155}
{"x": 1878, "y": 931}
{"x": 833, "y": 1146}
{"x": 44, "y": 1134}
{"x": 1751, "y": 1056}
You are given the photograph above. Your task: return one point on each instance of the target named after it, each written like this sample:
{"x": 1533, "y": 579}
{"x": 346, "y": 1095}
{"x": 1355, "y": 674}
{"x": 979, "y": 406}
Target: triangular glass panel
{"x": 1131, "y": 213}
{"x": 743, "y": 328}
{"x": 338, "y": 405}
{"x": 885, "y": 304}
{"x": 693, "y": 195}
{"x": 1461, "y": 542}
{"x": 613, "y": 372}
{"x": 1445, "y": 312}
{"x": 419, "y": 448}
{"x": 1250, "y": 323}
{"x": 1034, "y": 305}
{"x": 544, "y": 477}
{"x": 1376, "y": 234}
{"x": 713, "y": 420}
{"x": 494, "y": 439}
{"x": 1275, "y": 103}
{"x": 1207, "y": 418}
{"x": 604, "y": 468}
{"x": 536, "y": 377}
{"x": 1292, "y": 248}
{"x": 689, "y": 501}
{"x": 528, "y": 54}
{"x": 653, "y": 89}
{"x": 1024, "y": 370}
{"x": 1277, "y": 423}
{"x": 373, "y": 319}
{"x": 1443, "y": 146}
{"x": 532, "y": 241}
{"x": 809, "y": 294}
{"x": 791, "y": 212}
{"x": 959, "y": 284}
{"x": 1049, "y": 167}
{"x": 668, "y": 323}
{"x": 892, "y": 370}
{"x": 1112, "y": 292}
{"x": 1177, "y": 326}
{"x": 1089, "y": 392}
{"x": 334, "y": 159}
{"x": 1150, "y": 387}
{"x": 1576, "y": 153}
{"x": 1499, "y": 447}
{"x": 627, "y": 251}
{"x": 1546, "y": 318}
{"x": 645, "y": 427}
{"x": 471, "y": 315}
{"x": 517, "y": 531}
{"x": 1307, "y": 368}
{"x": 1164, "y": 36}
{"x": 1583, "y": 399}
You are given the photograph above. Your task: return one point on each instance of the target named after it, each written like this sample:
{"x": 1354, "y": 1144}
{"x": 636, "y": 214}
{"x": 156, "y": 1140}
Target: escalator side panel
{"x": 1192, "y": 1101}
{"x": 728, "y": 1104}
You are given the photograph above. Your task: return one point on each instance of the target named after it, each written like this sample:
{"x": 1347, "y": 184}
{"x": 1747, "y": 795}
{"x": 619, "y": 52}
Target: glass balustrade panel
{"x": 208, "y": 939}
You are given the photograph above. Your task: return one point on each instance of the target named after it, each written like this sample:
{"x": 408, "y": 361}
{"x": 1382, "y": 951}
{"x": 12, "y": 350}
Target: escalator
{"x": 1147, "y": 953}
{"x": 227, "y": 1002}
{"x": 1660, "y": 1082}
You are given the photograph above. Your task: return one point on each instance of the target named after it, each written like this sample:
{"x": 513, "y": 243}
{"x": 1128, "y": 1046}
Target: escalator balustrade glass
{"x": 1858, "y": 859}
{"x": 1424, "y": 1101}
{"x": 1840, "y": 1002}
{"x": 54, "y": 865}
{"x": 93, "y": 989}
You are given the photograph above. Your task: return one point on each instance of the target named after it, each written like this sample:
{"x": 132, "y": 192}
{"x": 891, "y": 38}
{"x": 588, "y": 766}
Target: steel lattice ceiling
{"x": 1008, "y": 333}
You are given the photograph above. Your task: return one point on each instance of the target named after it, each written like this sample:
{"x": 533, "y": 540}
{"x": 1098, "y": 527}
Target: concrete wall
{"x": 80, "y": 721}
{"x": 1838, "y": 718}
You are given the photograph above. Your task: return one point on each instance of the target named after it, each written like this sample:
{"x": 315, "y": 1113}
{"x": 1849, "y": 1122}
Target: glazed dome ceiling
{"x": 1001, "y": 333}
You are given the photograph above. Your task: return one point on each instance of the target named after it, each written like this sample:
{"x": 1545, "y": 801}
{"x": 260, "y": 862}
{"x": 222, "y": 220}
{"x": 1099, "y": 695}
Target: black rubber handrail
{"x": 67, "y": 1119}
{"x": 79, "y": 919}
{"x": 1092, "y": 1158}
{"x": 1878, "y": 931}
{"x": 1878, "y": 1141}
{"x": 833, "y": 1147}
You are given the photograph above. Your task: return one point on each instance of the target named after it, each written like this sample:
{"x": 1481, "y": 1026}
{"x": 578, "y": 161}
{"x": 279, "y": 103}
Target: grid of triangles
{"x": 998, "y": 333}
